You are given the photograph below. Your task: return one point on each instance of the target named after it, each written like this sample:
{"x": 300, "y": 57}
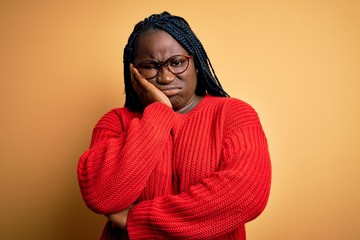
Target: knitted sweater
{"x": 198, "y": 175}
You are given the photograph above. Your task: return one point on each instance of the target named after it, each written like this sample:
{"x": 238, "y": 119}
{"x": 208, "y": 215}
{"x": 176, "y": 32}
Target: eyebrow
{"x": 157, "y": 61}
{"x": 154, "y": 59}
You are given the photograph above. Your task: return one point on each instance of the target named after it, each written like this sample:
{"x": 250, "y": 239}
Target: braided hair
{"x": 180, "y": 30}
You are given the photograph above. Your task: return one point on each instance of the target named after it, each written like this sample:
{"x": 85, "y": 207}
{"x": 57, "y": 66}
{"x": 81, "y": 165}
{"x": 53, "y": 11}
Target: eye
{"x": 177, "y": 61}
{"x": 148, "y": 65}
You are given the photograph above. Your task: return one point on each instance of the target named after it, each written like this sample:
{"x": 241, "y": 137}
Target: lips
{"x": 170, "y": 91}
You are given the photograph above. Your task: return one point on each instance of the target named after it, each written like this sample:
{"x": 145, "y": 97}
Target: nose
{"x": 165, "y": 76}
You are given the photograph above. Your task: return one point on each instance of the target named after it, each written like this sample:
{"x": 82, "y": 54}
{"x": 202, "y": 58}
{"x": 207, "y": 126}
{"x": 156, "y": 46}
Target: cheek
{"x": 192, "y": 77}
{"x": 194, "y": 80}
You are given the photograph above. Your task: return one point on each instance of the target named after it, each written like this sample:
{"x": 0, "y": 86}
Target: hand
{"x": 147, "y": 92}
{"x": 119, "y": 219}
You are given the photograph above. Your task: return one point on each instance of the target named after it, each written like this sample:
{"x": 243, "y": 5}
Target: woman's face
{"x": 158, "y": 45}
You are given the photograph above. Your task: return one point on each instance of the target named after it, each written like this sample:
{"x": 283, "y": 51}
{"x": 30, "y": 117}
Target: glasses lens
{"x": 148, "y": 69}
{"x": 175, "y": 64}
{"x": 178, "y": 64}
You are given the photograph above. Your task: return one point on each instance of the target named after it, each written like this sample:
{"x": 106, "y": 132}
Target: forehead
{"x": 157, "y": 44}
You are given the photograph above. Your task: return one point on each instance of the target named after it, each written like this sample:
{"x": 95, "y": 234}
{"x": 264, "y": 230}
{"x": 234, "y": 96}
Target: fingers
{"x": 139, "y": 83}
{"x": 135, "y": 71}
{"x": 136, "y": 76}
{"x": 119, "y": 219}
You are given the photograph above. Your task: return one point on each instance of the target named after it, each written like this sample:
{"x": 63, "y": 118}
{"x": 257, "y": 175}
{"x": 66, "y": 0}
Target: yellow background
{"x": 296, "y": 62}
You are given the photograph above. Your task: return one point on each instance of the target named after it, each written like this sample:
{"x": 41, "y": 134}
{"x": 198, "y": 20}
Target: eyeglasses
{"x": 176, "y": 64}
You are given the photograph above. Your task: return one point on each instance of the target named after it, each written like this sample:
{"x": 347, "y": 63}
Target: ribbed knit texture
{"x": 199, "y": 175}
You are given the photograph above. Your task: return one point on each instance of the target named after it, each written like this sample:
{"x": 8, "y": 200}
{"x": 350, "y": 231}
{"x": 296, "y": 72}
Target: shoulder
{"x": 236, "y": 112}
{"x": 232, "y": 105}
{"x": 115, "y": 118}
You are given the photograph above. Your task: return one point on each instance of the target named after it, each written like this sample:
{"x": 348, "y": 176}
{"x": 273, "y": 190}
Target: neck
{"x": 194, "y": 101}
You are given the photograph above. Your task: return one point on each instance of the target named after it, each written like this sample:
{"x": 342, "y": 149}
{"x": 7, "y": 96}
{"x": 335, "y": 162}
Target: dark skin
{"x": 174, "y": 90}
{"x": 179, "y": 89}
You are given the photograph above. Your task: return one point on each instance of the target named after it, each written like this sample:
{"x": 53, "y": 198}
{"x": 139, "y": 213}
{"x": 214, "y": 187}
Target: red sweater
{"x": 198, "y": 175}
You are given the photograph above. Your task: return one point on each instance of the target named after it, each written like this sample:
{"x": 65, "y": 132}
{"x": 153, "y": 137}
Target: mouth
{"x": 170, "y": 91}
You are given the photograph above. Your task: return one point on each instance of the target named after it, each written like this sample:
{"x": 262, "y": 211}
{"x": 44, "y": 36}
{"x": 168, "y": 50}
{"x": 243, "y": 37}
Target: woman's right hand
{"x": 147, "y": 92}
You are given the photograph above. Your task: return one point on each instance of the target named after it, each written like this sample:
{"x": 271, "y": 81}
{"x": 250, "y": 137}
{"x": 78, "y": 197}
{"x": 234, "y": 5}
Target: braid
{"x": 180, "y": 30}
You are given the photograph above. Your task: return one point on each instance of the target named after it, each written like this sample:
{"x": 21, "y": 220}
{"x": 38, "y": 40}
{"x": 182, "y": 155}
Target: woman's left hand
{"x": 119, "y": 219}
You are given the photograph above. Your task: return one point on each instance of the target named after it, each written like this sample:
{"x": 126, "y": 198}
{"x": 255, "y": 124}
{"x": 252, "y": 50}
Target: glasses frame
{"x": 160, "y": 64}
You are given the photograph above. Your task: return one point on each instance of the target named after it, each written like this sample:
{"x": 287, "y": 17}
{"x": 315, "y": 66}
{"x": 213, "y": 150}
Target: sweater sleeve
{"x": 235, "y": 194}
{"x": 114, "y": 170}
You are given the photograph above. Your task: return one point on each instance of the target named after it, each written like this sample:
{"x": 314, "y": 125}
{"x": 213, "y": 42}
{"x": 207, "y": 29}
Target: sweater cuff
{"x": 138, "y": 222}
{"x": 159, "y": 116}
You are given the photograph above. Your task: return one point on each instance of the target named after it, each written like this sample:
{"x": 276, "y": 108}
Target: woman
{"x": 181, "y": 160}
